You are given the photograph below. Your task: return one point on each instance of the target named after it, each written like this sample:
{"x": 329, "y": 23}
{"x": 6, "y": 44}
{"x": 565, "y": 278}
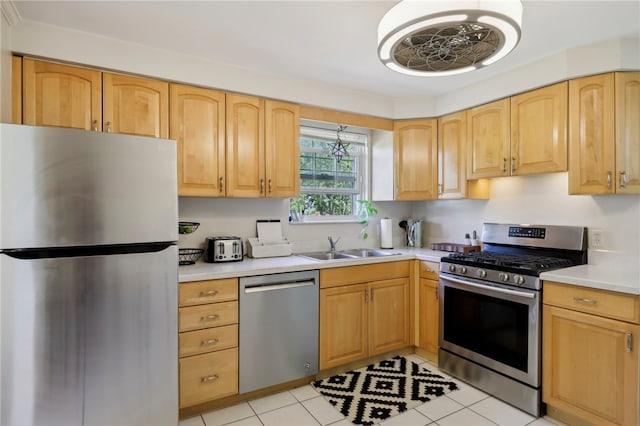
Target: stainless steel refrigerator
{"x": 88, "y": 275}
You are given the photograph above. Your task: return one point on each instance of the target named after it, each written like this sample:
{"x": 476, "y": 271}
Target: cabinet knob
{"x": 261, "y": 186}
{"x": 608, "y": 180}
{"x": 504, "y": 165}
{"x": 513, "y": 165}
{"x": 208, "y": 293}
{"x": 95, "y": 125}
{"x": 210, "y": 317}
{"x": 221, "y": 183}
{"x": 107, "y": 126}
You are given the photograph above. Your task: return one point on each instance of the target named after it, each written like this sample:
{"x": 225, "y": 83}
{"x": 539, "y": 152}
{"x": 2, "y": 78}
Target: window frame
{"x": 353, "y": 135}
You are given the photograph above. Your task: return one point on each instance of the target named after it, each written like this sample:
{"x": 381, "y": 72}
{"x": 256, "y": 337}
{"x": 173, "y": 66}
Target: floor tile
{"x": 322, "y": 410}
{"x": 501, "y": 413}
{"x": 249, "y": 421}
{"x": 304, "y": 392}
{"x": 191, "y": 421}
{"x": 439, "y": 407}
{"x": 272, "y": 402}
{"x": 415, "y": 358}
{"x": 228, "y": 415}
{"x": 292, "y": 415}
{"x": 546, "y": 421}
{"x": 466, "y": 394}
{"x": 465, "y": 417}
{"x": 408, "y": 418}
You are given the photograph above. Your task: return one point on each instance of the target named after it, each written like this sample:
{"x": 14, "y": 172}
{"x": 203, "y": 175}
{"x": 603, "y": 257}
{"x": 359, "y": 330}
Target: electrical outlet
{"x": 597, "y": 239}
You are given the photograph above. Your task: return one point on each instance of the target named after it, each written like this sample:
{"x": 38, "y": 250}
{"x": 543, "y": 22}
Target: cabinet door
{"x": 591, "y": 135}
{"x": 628, "y": 132}
{"x": 452, "y": 142}
{"x": 539, "y": 131}
{"x": 343, "y": 325}
{"x": 590, "y": 366}
{"x": 245, "y": 146}
{"x": 389, "y": 313}
{"x": 136, "y": 105}
{"x": 488, "y": 150}
{"x": 197, "y": 124}
{"x": 429, "y": 315}
{"x": 282, "y": 149}
{"x": 416, "y": 159}
{"x": 61, "y": 95}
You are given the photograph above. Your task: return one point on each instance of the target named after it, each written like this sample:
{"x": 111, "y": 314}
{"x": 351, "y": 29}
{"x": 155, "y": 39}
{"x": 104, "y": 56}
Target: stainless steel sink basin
{"x": 327, "y": 255}
{"x": 345, "y": 254}
{"x": 366, "y": 253}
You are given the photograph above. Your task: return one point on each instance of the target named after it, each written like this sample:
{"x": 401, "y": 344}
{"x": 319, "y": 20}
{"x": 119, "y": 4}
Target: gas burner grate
{"x": 532, "y": 263}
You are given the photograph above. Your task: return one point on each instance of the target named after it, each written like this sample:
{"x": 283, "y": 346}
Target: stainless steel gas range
{"x": 491, "y": 307}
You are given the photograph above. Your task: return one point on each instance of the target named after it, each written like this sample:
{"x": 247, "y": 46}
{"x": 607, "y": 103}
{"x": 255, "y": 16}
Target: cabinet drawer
{"x": 429, "y": 270}
{"x": 205, "y": 316}
{"x": 202, "y": 292}
{"x": 208, "y": 340}
{"x": 599, "y": 302}
{"x": 361, "y": 274}
{"x": 209, "y": 376}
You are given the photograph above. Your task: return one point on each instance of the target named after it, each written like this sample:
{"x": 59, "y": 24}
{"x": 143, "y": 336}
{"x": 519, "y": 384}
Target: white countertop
{"x": 273, "y": 265}
{"x": 620, "y": 278}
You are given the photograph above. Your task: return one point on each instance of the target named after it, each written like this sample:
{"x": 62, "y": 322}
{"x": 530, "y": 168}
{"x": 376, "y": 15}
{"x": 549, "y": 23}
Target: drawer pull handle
{"x": 208, "y": 293}
{"x": 209, "y": 378}
{"x": 585, "y": 300}
{"x": 209, "y": 342}
{"x": 629, "y": 342}
{"x": 210, "y": 317}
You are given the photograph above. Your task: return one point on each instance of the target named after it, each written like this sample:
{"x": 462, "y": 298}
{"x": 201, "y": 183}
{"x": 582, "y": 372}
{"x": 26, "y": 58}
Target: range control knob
{"x": 452, "y": 268}
{"x": 463, "y": 269}
{"x": 503, "y": 276}
{"x": 482, "y": 273}
{"x": 518, "y": 279}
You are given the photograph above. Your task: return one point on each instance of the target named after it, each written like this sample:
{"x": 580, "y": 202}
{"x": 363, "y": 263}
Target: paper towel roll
{"x": 386, "y": 233}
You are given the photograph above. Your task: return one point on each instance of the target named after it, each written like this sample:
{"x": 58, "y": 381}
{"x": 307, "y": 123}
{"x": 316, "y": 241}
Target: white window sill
{"x": 318, "y": 220}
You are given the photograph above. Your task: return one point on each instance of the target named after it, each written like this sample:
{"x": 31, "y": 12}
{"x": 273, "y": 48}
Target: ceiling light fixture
{"x": 439, "y": 38}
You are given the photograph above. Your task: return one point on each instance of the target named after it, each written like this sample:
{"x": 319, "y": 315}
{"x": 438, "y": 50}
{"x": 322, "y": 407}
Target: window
{"x": 329, "y": 189}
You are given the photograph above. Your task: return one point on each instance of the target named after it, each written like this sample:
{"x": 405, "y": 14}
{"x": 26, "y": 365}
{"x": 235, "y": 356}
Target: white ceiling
{"x": 332, "y": 42}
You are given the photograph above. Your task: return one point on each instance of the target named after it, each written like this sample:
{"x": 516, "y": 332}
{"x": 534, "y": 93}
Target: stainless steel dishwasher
{"x": 278, "y": 328}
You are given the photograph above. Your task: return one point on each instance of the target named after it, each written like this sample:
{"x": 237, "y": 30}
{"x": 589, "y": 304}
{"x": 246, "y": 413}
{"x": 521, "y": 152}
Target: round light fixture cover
{"x": 437, "y": 38}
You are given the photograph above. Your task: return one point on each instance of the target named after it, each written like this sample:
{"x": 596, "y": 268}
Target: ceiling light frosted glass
{"x": 437, "y": 38}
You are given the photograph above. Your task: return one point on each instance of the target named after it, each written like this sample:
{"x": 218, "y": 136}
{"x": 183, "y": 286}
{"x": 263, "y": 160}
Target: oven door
{"x": 492, "y": 325}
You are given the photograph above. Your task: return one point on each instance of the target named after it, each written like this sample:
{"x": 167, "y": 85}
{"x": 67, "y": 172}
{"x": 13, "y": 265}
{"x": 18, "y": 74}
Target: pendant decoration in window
{"x": 339, "y": 148}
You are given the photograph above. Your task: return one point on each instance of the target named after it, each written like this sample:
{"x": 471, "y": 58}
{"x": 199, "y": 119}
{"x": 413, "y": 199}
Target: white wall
{"x": 57, "y": 43}
{"x": 540, "y": 199}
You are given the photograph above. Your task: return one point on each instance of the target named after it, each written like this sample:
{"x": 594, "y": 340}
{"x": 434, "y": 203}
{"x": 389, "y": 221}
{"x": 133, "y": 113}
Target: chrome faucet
{"x": 333, "y": 243}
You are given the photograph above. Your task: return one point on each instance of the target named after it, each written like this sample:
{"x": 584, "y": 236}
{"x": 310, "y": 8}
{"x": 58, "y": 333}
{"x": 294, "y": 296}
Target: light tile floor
{"x": 305, "y": 406}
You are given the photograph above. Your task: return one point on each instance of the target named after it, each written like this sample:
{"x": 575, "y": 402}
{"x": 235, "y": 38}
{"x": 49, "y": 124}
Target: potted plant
{"x": 366, "y": 209}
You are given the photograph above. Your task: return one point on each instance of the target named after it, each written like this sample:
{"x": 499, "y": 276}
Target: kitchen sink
{"x": 366, "y": 253}
{"x": 327, "y": 255}
{"x": 345, "y": 254}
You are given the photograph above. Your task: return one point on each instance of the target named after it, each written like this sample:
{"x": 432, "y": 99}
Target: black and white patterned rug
{"x": 378, "y": 391}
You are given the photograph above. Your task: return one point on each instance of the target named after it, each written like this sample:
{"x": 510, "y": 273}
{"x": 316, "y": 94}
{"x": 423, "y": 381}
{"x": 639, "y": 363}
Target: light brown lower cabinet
{"x": 590, "y": 355}
{"x": 364, "y": 311}
{"x": 428, "y": 307}
{"x": 208, "y": 340}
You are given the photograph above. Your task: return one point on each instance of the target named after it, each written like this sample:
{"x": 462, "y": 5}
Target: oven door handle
{"x": 491, "y": 288}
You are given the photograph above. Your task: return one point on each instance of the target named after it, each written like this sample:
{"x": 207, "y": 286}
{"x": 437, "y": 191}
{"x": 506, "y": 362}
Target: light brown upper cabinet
{"x": 197, "y": 124}
{"x": 415, "y": 148}
{"x": 282, "y": 149}
{"x": 488, "y": 151}
{"x": 452, "y": 160}
{"x": 628, "y": 132}
{"x": 61, "y": 95}
{"x": 135, "y": 105}
{"x": 604, "y": 134}
{"x": 539, "y": 131}
{"x": 262, "y": 147}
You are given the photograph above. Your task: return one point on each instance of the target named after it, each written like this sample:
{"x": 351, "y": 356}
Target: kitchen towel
{"x": 386, "y": 234}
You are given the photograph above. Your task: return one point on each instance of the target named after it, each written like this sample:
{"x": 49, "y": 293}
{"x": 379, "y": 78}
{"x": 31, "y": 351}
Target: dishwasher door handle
{"x": 278, "y": 286}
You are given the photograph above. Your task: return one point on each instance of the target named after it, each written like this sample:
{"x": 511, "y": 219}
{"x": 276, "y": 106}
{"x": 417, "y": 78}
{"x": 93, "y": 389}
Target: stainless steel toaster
{"x": 224, "y": 249}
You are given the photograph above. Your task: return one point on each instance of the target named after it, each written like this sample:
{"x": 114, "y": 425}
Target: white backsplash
{"x": 540, "y": 199}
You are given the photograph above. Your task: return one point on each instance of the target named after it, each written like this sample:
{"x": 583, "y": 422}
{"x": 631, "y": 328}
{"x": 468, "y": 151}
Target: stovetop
{"x": 516, "y": 263}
